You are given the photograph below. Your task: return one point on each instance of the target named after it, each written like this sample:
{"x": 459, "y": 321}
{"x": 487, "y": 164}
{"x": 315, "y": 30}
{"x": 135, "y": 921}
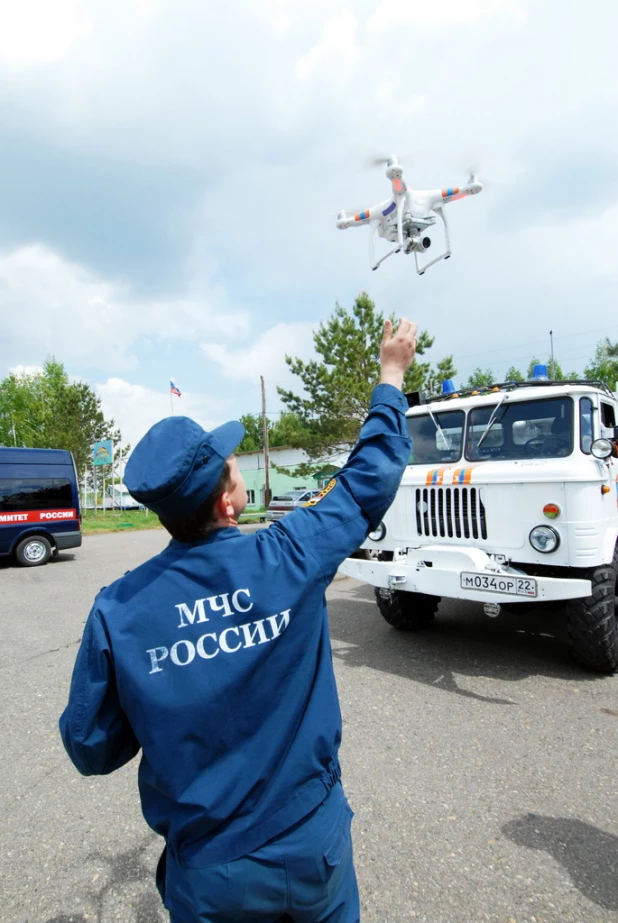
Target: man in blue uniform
{"x": 214, "y": 659}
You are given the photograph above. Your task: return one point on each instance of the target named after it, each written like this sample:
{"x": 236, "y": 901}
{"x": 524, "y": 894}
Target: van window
{"x": 18, "y": 494}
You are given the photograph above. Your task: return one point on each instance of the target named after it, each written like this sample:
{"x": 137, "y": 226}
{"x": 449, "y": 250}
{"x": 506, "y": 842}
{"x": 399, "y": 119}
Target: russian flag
{"x": 174, "y": 389}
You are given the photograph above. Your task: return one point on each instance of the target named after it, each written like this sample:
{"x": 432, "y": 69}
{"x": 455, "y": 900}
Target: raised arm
{"x": 334, "y": 524}
{"x": 397, "y": 352}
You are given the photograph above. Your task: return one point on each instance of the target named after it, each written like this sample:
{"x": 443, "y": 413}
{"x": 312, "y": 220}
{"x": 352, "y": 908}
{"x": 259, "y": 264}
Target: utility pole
{"x": 553, "y": 366}
{"x": 267, "y": 496}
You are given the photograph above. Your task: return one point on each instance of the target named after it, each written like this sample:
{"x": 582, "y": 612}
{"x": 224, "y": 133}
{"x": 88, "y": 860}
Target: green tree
{"x": 283, "y": 431}
{"x": 337, "y": 387}
{"x": 513, "y": 374}
{"x": 604, "y": 366}
{"x": 47, "y": 410}
{"x": 480, "y": 378}
{"x": 253, "y": 440}
{"x": 287, "y": 430}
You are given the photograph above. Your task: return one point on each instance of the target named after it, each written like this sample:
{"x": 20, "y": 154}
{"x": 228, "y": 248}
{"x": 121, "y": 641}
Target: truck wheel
{"x": 592, "y": 621}
{"x": 406, "y": 611}
{"x": 33, "y": 551}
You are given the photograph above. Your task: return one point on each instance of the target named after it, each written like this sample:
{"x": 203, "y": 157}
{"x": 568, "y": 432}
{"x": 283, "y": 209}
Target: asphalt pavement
{"x": 481, "y": 762}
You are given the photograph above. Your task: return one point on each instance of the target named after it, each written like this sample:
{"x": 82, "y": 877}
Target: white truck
{"x": 510, "y": 498}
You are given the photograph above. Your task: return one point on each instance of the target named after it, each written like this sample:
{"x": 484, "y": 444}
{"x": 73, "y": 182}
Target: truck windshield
{"x": 524, "y": 429}
{"x": 436, "y": 438}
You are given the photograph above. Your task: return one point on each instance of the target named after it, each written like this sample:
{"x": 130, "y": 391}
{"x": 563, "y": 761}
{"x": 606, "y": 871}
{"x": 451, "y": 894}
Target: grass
{"x": 117, "y": 521}
{"x": 130, "y": 520}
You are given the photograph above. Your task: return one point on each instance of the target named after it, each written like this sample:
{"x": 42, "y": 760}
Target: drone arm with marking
{"x": 375, "y": 213}
{"x": 438, "y": 197}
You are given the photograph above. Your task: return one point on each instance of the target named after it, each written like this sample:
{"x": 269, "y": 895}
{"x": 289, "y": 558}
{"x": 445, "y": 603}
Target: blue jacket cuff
{"x": 388, "y": 394}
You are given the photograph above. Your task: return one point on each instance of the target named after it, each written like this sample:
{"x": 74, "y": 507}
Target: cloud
{"x": 336, "y": 52}
{"x": 135, "y": 408}
{"x": 39, "y": 32}
{"x": 26, "y": 371}
{"x": 442, "y": 14}
{"x": 54, "y": 306}
{"x": 265, "y": 356}
{"x": 162, "y": 163}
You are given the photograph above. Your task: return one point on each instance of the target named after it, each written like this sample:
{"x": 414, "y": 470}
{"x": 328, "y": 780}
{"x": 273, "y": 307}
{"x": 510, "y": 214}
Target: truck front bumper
{"x": 437, "y": 570}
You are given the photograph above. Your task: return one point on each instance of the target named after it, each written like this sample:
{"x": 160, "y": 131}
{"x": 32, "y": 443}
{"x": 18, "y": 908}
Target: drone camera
{"x": 426, "y": 242}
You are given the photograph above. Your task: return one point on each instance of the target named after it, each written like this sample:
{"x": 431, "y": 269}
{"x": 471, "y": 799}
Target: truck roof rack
{"x": 506, "y": 386}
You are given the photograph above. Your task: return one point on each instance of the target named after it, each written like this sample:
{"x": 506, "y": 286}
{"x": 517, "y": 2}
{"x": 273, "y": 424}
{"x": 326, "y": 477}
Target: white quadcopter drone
{"x": 405, "y": 218}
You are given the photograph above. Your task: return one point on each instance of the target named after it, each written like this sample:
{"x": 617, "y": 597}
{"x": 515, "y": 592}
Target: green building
{"x": 252, "y": 466}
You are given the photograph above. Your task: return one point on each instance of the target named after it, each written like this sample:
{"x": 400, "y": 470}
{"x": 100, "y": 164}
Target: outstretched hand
{"x": 397, "y": 351}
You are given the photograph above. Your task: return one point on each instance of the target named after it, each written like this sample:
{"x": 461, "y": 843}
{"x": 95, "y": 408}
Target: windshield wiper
{"x": 445, "y": 438}
{"x": 492, "y": 418}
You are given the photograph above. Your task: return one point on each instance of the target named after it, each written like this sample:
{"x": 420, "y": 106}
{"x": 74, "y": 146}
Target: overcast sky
{"x": 171, "y": 173}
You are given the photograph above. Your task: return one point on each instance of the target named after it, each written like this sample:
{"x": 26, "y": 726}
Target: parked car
{"x": 283, "y": 504}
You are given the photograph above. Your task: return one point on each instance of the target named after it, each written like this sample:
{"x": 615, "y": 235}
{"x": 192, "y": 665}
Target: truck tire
{"x": 592, "y": 621}
{"x": 33, "y": 551}
{"x": 406, "y": 611}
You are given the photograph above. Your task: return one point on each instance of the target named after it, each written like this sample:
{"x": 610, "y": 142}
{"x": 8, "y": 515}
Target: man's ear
{"x": 223, "y": 506}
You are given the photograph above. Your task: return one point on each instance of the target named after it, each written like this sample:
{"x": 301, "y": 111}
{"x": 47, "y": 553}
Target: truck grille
{"x": 453, "y": 512}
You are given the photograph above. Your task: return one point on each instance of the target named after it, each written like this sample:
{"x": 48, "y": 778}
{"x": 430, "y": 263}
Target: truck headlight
{"x": 378, "y": 534}
{"x": 544, "y": 539}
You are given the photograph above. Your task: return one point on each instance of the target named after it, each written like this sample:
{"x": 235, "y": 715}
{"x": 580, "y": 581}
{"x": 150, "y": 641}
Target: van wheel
{"x": 406, "y": 611}
{"x": 592, "y": 621}
{"x": 33, "y": 551}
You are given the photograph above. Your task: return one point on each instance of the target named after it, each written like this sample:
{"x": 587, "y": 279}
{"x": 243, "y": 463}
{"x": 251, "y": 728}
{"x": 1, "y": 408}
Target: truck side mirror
{"x": 603, "y": 448}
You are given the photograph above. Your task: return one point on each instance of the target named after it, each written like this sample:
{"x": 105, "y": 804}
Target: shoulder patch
{"x": 325, "y": 490}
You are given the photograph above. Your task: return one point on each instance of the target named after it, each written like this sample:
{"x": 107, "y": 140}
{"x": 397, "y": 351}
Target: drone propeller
{"x": 381, "y": 161}
{"x": 473, "y": 174}
{"x": 378, "y": 161}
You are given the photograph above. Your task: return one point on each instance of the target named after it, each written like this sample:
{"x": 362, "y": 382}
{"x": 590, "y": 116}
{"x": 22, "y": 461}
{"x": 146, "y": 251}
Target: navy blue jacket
{"x": 214, "y": 658}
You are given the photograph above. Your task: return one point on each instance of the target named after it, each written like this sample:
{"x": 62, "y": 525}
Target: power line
{"x": 527, "y": 345}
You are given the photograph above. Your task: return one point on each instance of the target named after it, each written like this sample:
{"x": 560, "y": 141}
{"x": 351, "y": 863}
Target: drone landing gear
{"x": 381, "y": 260}
{"x": 443, "y": 256}
{"x": 372, "y": 260}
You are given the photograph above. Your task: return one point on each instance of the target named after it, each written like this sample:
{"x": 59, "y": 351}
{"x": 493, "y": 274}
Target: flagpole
{"x": 171, "y": 398}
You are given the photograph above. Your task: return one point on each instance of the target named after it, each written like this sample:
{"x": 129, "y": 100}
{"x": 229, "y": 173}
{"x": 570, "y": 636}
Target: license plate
{"x": 495, "y": 583}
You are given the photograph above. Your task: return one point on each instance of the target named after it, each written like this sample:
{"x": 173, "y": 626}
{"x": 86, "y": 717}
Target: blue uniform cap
{"x": 175, "y": 467}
